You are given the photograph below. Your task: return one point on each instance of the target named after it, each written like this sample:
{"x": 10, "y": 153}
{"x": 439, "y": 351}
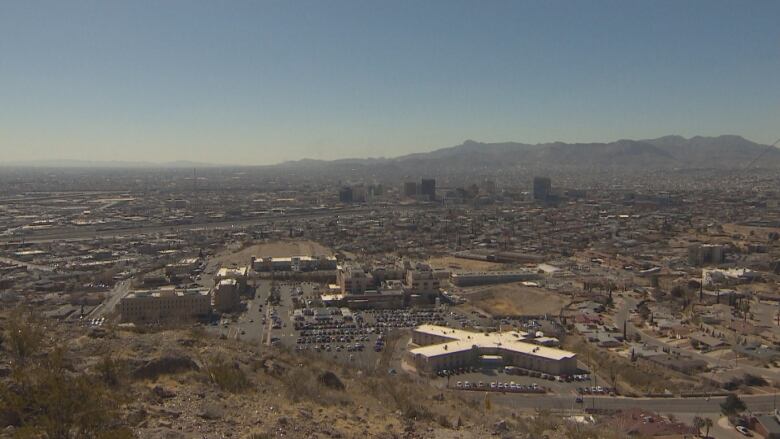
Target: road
{"x": 120, "y": 290}
{"x": 755, "y": 403}
{"x": 30, "y": 266}
{"x": 77, "y": 234}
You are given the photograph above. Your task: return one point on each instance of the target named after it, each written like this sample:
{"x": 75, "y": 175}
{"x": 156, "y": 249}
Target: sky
{"x": 260, "y": 82}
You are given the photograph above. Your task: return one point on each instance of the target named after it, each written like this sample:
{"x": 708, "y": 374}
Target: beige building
{"x": 182, "y": 267}
{"x": 470, "y": 278}
{"x": 239, "y": 274}
{"x": 421, "y": 283}
{"x": 226, "y": 296}
{"x": 352, "y": 279}
{"x": 440, "y": 348}
{"x": 164, "y": 305}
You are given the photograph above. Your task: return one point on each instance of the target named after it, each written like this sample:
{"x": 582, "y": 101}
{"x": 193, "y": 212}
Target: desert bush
{"x": 228, "y": 377}
{"x": 44, "y": 400}
{"x": 111, "y": 371}
{"x": 24, "y": 335}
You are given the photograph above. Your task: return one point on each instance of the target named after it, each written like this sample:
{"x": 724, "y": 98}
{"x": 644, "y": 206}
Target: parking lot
{"x": 282, "y": 314}
{"x": 498, "y": 380}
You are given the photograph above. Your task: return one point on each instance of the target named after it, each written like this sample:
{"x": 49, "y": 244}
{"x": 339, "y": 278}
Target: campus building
{"x": 441, "y": 348}
{"x": 352, "y": 279}
{"x": 226, "y": 295}
{"x": 167, "y": 305}
{"x": 470, "y": 278}
{"x": 239, "y": 274}
{"x": 294, "y": 263}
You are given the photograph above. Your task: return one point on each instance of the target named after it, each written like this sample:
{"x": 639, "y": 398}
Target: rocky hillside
{"x": 71, "y": 382}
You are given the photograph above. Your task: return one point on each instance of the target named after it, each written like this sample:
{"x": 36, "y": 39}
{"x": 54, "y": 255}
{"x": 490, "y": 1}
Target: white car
{"x": 743, "y": 430}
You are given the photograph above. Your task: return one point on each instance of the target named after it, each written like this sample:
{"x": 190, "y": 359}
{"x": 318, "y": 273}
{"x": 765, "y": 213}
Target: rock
{"x": 167, "y": 364}
{"x": 305, "y": 413}
{"x": 136, "y": 416}
{"x": 211, "y": 411}
{"x": 501, "y": 426}
{"x": 162, "y": 392}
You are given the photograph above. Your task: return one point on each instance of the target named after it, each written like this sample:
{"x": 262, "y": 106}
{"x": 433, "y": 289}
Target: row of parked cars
{"x": 596, "y": 390}
{"x": 331, "y": 339}
{"x": 499, "y": 386}
{"x": 95, "y": 322}
{"x": 316, "y": 332}
{"x": 458, "y": 371}
{"x": 407, "y": 318}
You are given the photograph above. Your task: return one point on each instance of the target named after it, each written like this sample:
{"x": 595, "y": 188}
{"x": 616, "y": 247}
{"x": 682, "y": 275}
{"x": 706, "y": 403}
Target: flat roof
{"x": 238, "y": 271}
{"x": 165, "y": 292}
{"x": 460, "y": 340}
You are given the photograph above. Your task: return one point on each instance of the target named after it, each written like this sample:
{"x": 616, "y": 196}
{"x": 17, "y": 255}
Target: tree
{"x": 49, "y": 401}
{"x": 25, "y": 335}
{"x": 732, "y": 405}
{"x": 707, "y": 424}
{"x": 698, "y": 424}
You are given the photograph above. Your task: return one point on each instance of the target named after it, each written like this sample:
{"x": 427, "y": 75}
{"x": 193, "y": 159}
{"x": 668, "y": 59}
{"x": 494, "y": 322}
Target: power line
{"x": 763, "y": 153}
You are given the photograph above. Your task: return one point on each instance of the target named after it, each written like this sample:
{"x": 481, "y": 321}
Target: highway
{"x": 77, "y": 234}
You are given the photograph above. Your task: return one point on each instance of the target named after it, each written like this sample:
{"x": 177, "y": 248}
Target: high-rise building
{"x": 428, "y": 188}
{"x": 359, "y": 194}
{"x": 542, "y": 188}
{"x": 345, "y": 194}
{"x": 410, "y": 189}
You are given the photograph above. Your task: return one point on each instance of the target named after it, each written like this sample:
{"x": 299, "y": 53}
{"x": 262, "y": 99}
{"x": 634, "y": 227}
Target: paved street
{"x": 120, "y": 290}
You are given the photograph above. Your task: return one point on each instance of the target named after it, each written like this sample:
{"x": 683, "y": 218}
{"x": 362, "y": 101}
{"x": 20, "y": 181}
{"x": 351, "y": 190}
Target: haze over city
{"x": 396, "y": 220}
{"x": 265, "y": 82}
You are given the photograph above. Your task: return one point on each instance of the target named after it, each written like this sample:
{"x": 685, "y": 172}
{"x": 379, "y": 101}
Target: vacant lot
{"x": 460, "y": 264}
{"x": 275, "y": 249}
{"x": 514, "y": 300}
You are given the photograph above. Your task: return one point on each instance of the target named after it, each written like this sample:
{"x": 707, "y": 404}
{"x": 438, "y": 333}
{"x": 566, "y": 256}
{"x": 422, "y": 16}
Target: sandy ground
{"x": 276, "y": 249}
{"x": 456, "y": 264}
{"x": 514, "y": 299}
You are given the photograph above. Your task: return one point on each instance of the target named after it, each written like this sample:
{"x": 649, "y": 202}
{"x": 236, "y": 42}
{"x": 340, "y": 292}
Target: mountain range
{"x": 669, "y": 152}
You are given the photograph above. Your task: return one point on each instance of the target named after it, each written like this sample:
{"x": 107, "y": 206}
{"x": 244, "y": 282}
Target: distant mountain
{"x": 472, "y": 157}
{"x": 670, "y": 152}
{"x": 104, "y": 164}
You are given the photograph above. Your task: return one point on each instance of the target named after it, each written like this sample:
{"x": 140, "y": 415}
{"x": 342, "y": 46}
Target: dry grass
{"x": 453, "y": 263}
{"x": 515, "y": 300}
{"x": 631, "y": 378}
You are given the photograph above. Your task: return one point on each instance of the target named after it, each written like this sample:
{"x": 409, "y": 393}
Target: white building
{"x": 441, "y": 348}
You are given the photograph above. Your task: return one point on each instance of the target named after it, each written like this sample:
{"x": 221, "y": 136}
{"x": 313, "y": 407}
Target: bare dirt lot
{"x": 275, "y": 249}
{"x": 514, "y": 299}
{"x": 458, "y": 264}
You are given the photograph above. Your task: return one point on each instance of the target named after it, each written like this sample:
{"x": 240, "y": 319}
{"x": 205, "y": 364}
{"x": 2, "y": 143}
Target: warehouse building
{"x": 441, "y": 348}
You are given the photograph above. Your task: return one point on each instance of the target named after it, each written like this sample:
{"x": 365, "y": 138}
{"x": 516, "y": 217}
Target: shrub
{"x": 228, "y": 377}
{"x": 45, "y": 400}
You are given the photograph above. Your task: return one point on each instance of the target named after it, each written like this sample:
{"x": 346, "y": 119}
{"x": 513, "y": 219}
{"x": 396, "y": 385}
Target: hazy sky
{"x": 255, "y": 82}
